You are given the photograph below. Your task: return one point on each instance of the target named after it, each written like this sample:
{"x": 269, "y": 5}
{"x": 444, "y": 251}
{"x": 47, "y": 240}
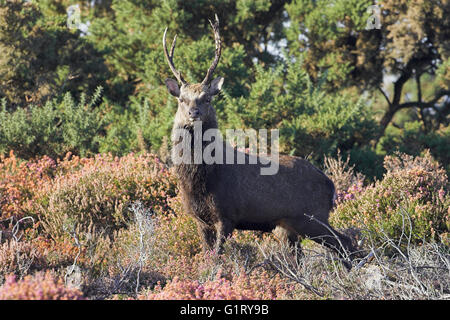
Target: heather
{"x": 42, "y": 286}
{"x": 19, "y": 182}
{"x": 94, "y": 194}
{"x": 413, "y": 193}
{"x": 258, "y": 286}
{"x": 19, "y": 258}
{"x": 110, "y": 227}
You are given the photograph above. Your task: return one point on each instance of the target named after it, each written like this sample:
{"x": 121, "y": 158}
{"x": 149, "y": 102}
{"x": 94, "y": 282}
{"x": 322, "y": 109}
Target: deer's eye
{"x": 180, "y": 100}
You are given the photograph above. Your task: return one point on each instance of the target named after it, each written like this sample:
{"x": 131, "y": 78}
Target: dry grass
{"x": 392, "y": 272}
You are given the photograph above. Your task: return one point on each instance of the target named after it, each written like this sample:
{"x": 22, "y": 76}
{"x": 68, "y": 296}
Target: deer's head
{"x": 194, "y": 100}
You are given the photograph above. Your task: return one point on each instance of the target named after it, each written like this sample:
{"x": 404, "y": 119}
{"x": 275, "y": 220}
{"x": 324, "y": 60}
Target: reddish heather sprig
{"x": 19, "y": 182}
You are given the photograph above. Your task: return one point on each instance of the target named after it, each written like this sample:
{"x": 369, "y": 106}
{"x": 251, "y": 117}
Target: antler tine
{"x": 172, "y": 49}
{"x": 218, "y": 52}
{"x": 169, "y": 57}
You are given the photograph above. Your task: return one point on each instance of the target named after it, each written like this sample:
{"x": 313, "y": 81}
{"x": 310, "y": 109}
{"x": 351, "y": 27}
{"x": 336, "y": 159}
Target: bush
{"x": 42, "y": 286}
{"x": 19, "y": 183}
{"x": 413, "y": 190}
{"x": 61, "y": 253}
{"x": 59, "y": 126}
{"x": 93, "y": 194}
{"x": 141, "y": 126}
{"x": 176, "y": 233}
{"x": 342, "y": 174}
{"x": 311, "y": 123}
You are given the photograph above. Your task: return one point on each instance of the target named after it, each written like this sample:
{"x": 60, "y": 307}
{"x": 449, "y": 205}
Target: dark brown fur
{"x": 224, "y": 197}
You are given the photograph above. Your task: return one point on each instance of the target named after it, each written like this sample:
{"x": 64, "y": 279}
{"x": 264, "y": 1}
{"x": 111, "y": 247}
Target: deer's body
{"x": 224, "y": 197}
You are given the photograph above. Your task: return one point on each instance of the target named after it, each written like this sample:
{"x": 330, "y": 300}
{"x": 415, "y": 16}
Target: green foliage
{"x": 137, "y": 128}
{"x": 413, "y": 140}
{"x": 331, "y": 34}
{"x": 59, "y": 126}
{"x": 131, "y": 39}
{"x": 42, "y": 58}
{"x": 120, "y": 133}
{"x": 311, "y": 122}
{"x": 367, "y": 161}
{"x": 410, "y": 43}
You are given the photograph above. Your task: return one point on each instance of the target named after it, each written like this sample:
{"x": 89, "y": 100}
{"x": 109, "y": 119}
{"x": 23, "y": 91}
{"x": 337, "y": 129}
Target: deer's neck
{"x": 192, "y": 172}
{"x": 196, "y": 181}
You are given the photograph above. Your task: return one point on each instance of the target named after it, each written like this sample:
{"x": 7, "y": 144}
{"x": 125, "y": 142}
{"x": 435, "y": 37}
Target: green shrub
{"x": 411, "y": 197}
{"x": 59, "y": 126}
{"x": 140, "y": 127}
{"x": 120, "y": 133}
{"x": 312, "y": 123}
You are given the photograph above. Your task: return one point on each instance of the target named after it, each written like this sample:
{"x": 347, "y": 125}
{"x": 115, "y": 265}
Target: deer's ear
{"x": 173, "y": 87}
{"x": 215, "y": 86}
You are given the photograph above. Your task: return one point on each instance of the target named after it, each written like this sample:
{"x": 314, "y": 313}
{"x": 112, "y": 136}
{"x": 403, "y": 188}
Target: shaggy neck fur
{"x": 196, "y": 181}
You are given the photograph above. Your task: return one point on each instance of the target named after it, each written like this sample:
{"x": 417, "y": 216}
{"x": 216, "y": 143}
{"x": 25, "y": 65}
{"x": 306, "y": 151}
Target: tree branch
{"x": 419, "y": 98}
{"x": 424, "y": 105}
{"x": 385, "y": 96}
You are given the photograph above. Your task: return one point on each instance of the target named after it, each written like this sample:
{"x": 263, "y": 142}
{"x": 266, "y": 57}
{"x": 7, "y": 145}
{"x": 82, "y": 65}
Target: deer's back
{"x": 246, "y": 196}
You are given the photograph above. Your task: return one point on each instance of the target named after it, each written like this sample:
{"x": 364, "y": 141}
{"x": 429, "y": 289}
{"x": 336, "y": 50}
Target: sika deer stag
{"x": 223, "y": 197}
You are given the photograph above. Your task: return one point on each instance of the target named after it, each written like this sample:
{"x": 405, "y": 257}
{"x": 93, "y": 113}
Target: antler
{"x": 211, "y": 69}
{"x": 169, "y": 58}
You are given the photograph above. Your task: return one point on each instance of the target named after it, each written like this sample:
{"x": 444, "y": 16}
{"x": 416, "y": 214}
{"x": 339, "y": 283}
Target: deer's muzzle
{"x": 194, "y": 114}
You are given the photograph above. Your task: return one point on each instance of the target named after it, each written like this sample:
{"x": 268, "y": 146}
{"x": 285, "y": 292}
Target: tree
{"x": 412, "y": 43}
{"x": 131, "y": 38}
{"x": 42, "y": 58}
{"x": 88, "y": 8}
{"x": 132, "y": 35}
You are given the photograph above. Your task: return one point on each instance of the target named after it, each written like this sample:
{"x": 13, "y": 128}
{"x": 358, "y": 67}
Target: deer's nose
{"x": 194, "y": 113}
